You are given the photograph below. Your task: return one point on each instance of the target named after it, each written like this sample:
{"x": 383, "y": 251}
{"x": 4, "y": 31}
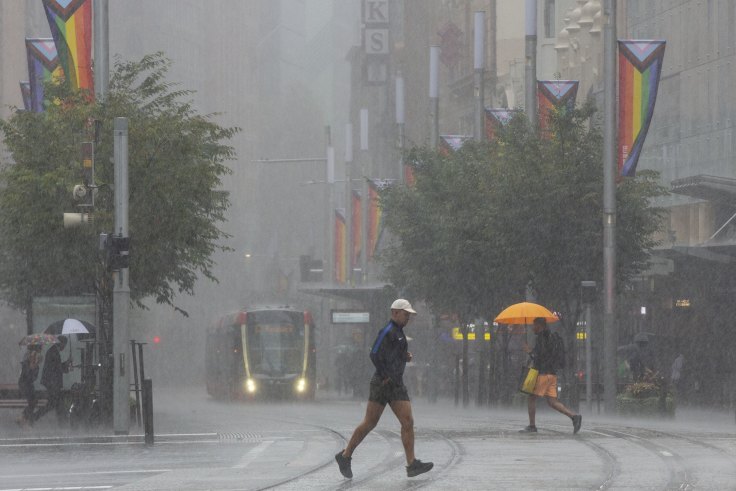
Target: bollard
{"x": 457, "y": 379}
{"x": 148, "y": 410}
{"x": 136, "y": 384}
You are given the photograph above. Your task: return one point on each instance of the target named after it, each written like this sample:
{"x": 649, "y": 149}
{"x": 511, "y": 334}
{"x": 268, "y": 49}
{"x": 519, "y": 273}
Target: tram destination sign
{"x": 350, "y": 317}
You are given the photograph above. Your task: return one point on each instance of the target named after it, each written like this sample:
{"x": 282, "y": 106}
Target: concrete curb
{"x": 108, "y": 439}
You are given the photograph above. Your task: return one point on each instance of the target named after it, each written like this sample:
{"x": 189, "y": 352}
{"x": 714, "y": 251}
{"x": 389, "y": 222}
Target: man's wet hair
{"x": 540, "y": 321}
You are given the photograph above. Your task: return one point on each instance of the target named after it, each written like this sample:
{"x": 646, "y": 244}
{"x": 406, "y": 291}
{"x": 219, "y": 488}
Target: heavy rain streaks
{"x": 296, "y": 167}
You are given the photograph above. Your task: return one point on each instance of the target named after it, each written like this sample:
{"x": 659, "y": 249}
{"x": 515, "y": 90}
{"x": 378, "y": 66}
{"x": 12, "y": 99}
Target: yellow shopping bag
{"x": 528, "y": 379}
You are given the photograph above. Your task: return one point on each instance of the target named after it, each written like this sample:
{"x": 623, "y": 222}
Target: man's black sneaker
{"x": 529, "y": 429}
{"x": 577, "y": 421}
{"x": 344, "y": 464}
{"x": 418, "y": 467}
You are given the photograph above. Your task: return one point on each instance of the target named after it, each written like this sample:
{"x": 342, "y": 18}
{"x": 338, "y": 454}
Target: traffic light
{"x": 88, "y": 159}
{"x": 116, "y": 249}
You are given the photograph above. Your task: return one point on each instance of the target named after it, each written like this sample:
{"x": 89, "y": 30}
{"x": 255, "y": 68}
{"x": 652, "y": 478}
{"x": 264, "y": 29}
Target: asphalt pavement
{"x": 205, "y": 444}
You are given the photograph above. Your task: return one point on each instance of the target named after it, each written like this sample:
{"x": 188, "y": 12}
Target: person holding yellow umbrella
{"x": 547, "y": 355}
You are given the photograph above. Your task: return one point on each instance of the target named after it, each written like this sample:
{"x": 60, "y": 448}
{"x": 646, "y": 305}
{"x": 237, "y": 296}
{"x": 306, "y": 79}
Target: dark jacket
{"x": 543, "y": 354}
{"x": 389, "y": 353}
{"x": 52, "y": 376}
{"x": 28, "y": 372}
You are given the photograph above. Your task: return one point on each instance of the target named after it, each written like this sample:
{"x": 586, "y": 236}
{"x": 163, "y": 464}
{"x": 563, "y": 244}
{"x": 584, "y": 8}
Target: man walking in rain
{"x": 546, "y": 356}
{"x": 389, "y": 355}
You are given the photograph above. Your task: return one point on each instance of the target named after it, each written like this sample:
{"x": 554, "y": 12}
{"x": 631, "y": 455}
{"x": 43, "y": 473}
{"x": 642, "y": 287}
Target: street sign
{"x": 350, "y": 317}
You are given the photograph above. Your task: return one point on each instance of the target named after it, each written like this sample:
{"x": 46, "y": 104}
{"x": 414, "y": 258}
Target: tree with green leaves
{"x": 176, "y": 162}
{"x": 485, "y": 224}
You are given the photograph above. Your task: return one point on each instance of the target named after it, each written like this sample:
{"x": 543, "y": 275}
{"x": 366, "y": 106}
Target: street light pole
{"x": 121, "y": 290}
{"x": 349, "y": 225}
{"x": 530, "y": 69}
{"x": 588, "y": 289}
{"x": 329, "y": 263}
{"x": 364, "y": 198}
{"x": 434, "y": 96}
{"x": 101, "y": 48}
{"x": 609, "y": 206}
{"x": 478, "y": 65}
{"x": 400, "y": 120}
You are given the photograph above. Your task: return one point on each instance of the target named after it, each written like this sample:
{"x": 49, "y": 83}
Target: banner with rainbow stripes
{"x": 497, "y": 118}
{"x": 639, "y": 69}
{"x": 375, "y": 214}
{"x": 71, "y": 27}
{"x": 452, "y": 143}
{"x": 340, "y": 246}
{"x": 559, "y": 94}
{"x": 43, "y": 66}
{"x": 25, "y": 92}
{"x": 357, "y": 212}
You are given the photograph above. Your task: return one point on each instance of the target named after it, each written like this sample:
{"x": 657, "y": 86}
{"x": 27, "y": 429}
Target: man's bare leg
{"x": 555, "y": 404}
{"x": 373, "y": 413}
{"x": 402, "y": 410}
{"x": 531, "y": 406}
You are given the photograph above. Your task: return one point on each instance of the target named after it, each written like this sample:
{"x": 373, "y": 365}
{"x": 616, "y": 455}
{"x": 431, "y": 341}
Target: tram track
{"x": 392, "y": 460}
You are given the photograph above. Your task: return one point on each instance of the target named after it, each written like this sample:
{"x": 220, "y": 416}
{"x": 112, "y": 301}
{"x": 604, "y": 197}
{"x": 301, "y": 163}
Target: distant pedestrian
{"x": 641, "y": 357}
{"x": 342, "y": 365}
{"x": 389, "y": 355}
{"x": 52, "y": 377}
{"x": 29, "y": 368}
{"x": 676, "y": 376}
{"x": 545, "y": 356}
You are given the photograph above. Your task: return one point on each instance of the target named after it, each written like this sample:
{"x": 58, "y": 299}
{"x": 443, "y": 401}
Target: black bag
{"x": 557, "y": 348}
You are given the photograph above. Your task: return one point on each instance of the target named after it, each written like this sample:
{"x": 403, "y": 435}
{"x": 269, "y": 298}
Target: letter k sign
{"x": 375, "y": 11}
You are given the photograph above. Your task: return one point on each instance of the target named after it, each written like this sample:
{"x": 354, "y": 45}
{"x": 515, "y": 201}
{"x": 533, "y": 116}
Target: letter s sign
{"x": 376, "y": 41}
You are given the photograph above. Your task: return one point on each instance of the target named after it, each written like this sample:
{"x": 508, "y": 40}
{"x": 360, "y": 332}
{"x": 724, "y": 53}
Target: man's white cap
{"x": 402, "y": 304}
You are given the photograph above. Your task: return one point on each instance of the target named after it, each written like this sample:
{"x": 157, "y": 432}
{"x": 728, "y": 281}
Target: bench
{"x": 10, "y": 397}
{"x": 19, "y": 403}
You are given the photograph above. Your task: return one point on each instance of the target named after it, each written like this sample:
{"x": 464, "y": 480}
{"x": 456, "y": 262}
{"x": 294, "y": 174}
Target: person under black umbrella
{"x": 52, "y": 377}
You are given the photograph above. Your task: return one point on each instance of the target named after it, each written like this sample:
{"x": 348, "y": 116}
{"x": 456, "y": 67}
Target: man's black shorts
{"x": 388, "y": 392}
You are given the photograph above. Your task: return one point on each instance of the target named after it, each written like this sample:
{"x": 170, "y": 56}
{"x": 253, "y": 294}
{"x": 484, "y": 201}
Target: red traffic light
{"x": 156, "y": 339}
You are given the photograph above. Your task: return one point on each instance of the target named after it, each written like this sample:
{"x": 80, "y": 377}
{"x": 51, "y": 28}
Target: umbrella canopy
{"x": 524, "y": 313}
{"x": 38, "y": 339}
{"x": 70, "y": 326}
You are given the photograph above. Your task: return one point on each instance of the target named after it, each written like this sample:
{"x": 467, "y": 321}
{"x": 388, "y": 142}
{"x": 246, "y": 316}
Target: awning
{"x": 363, "y": 293}
{"x": 709, "y": 188}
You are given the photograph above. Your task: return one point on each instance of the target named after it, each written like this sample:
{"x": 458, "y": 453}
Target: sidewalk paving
{"x": 47, "y": 431}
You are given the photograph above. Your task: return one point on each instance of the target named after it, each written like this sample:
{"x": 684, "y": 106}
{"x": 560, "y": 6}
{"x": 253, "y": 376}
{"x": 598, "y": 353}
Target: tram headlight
{"x": 250, "y": 386}
{"x": 301, "y": 385}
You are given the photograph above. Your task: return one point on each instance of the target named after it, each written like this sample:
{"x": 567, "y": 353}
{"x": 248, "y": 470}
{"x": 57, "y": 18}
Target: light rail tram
{"x": 262, "y": 352}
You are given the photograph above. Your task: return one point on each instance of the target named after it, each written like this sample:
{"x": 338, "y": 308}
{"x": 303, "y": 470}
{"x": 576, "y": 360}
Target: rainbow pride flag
{"x": 43, "y": 66}
{"x": 639, "y": 69}
{"x": 409, "y": 177}
{"x": 452, "y": 143}
{"x": 340, "y": 247}
{"x": 497, "y": 118}
{"x": 71, "y": 27}
{"x": 357, "y": 212}
{"x": 375, "y": 214}
{"x": 25, "y": 92}
{"x": 552, "y": 94}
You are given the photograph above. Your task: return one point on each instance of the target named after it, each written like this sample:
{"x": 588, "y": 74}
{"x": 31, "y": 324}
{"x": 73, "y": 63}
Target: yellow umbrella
{"x": 524, "y": 313}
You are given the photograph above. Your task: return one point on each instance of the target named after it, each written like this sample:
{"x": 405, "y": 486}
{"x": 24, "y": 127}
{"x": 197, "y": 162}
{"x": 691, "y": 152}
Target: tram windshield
{"x": 276, "y": 342}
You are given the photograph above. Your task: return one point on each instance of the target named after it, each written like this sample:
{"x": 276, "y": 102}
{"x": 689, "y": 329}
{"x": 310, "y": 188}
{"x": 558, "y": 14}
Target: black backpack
{"x": 557, "y": 350}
